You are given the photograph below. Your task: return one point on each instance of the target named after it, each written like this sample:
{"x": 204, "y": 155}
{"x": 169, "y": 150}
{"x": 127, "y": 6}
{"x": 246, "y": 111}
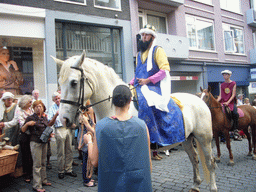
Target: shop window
{"x": 16, "y": 69}
{"x": 158, "y": 20}
{"x": 102, "y": 44}
{"x": 233, "y": 39}
{"x": 108, "y": 4}
{"x": 200, "y": 33}
{"x": 81, "y": 2}
{"x": 231, "y": 5}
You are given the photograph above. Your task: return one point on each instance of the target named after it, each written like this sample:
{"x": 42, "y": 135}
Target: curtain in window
{"x": 238, "y": 38}
{"x": 192, "y": 35}
{"x": 229, "y": 43}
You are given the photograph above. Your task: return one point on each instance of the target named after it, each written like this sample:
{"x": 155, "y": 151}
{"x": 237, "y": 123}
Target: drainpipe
{"x": 205, "y": 76}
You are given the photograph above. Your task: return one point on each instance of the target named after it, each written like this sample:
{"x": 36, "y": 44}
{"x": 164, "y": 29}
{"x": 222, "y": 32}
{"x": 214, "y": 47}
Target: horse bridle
{"x": 80, "y": 102}
{"x": 210, "y": 102}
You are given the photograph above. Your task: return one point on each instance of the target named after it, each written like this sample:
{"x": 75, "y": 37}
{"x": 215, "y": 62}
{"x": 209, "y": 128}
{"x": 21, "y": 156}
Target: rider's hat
{"x": 148, "y": 29}
{"x": 226, "y": 72}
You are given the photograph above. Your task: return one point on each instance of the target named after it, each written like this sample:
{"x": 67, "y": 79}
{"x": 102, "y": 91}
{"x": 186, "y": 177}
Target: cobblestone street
{"x": 173, "y": 173}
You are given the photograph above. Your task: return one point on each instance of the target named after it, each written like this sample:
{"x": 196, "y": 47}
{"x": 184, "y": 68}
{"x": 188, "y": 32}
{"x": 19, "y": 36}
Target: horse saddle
{"x": 228, "y": 112}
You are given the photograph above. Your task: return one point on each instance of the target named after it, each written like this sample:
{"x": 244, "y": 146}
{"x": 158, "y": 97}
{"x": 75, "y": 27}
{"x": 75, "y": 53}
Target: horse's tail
{"x": 202, "y": 157}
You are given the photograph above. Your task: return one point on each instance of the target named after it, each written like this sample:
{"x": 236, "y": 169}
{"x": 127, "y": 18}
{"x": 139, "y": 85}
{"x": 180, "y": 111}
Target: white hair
{"x": 35, "y": 90}
{"x": 55, "y": 94}
{"x": 24, "y": 100}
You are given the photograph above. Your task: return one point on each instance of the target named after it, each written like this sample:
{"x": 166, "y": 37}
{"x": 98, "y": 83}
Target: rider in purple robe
{"x": 152, "y": 81}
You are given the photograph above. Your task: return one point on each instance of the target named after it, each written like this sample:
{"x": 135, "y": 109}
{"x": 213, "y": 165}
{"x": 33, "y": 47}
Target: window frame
{"x": 144, "y": 13}
{"x": 236, "y": 27}
{"x": 71, "y": 2}
{"x": 109, "y": 8}
{"x": 205, "y": 20}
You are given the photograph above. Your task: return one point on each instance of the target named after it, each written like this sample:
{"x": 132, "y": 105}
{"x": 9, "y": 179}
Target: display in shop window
{"x": 16, "y": 70}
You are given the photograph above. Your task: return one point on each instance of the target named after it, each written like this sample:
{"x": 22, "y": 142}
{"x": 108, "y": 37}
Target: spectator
{"x": 87, "y": 116}
{"x": 26, "y": 110}
{"x": 247, "y": 101}
{"x": 63, "y": 140}
{"x": 36, "y": 124}
{"x": 35, "y": 94}
{"x": 240, "y": 100}
{"x": 9, "y": 117}
{"x": 120, "y": 148}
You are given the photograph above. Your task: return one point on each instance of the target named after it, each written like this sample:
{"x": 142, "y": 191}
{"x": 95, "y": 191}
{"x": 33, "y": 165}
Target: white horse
{"x": 101, "y": 80}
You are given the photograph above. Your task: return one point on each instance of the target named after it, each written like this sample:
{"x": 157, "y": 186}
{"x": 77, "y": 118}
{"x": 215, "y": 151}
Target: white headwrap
{"x": 6, "y": 95}
{"x": 148, "y": 29}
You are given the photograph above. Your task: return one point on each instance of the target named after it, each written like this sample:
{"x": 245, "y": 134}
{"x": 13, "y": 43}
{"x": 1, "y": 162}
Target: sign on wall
{"x": 253, "y": 73}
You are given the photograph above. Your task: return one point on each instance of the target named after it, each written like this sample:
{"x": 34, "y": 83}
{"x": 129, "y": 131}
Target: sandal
{"x": 93, "y": 184}
{"x": 39, "y": 190}
{"x": 47, "y": 184}
{"x": 27, "y": 180}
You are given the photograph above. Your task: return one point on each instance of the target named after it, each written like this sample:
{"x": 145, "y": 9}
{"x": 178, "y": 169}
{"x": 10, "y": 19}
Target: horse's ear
{"x": 209, "y": 88}
{"x": 201, "y": 89}
{"x": 58, "y": 61}
{"x": 80, "y": 60}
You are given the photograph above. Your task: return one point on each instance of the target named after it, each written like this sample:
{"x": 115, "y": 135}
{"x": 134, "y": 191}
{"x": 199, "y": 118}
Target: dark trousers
{"x": 27, "y": 161}
{"x": 235, "y": 117}
{"x": 84, "y": 168}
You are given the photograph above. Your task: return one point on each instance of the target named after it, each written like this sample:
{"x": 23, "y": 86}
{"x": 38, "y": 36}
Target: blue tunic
{"x": 124, "y": 164}
{"x": 165, "y": 128}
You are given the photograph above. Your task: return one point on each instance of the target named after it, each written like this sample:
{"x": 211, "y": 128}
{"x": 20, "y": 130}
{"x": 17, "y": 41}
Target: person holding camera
{"x": 37, "y": 124}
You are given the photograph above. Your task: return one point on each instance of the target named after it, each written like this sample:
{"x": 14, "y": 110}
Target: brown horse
{"x": 222, "y": 123}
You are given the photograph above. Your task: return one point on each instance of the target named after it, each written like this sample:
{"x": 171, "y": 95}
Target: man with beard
{"x": 152, "y": 81}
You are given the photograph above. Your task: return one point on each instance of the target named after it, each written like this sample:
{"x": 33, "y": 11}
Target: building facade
{"x": 33, "y": 31}
{"x": 201, "y": 38}
{"x": 217, "y": 37}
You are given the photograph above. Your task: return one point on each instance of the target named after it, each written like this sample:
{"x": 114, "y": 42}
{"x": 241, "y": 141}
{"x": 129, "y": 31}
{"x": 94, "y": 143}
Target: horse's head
{"x": 206, "y": 95}
{"x": 72, "y": 85}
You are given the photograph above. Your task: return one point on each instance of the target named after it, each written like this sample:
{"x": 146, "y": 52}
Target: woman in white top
{"x": 26, "y": 110}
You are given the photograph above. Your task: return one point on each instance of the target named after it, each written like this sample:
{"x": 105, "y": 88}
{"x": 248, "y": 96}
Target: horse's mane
{"x": 88, "y": 66}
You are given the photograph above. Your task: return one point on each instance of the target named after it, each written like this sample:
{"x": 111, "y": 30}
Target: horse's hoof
{"x": 254, "y": 157}
{"x": 217, "y": 160}
{"x": 231, "y": 163}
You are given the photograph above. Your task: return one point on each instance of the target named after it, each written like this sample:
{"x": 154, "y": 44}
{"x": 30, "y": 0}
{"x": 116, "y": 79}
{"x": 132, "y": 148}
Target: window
{"x": 231, "y": 5}
{"x": 81, "y": 2}
{"x": 158, "y": 20}
{"x": 233, "y": 39}
{"x": 200, "y": 33}
{"x": 108, "y": 4}
{"x": 209, "y": 2}
{"x": 254, "y": 39}
{"x": 100, "y": 43}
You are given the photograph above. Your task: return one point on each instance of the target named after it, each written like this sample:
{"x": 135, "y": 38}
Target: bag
{"x": 46, "y": 135}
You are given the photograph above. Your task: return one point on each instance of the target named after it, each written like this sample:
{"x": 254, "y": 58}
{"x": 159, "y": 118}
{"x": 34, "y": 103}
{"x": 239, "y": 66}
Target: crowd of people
{"x": 24, "y": 123}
